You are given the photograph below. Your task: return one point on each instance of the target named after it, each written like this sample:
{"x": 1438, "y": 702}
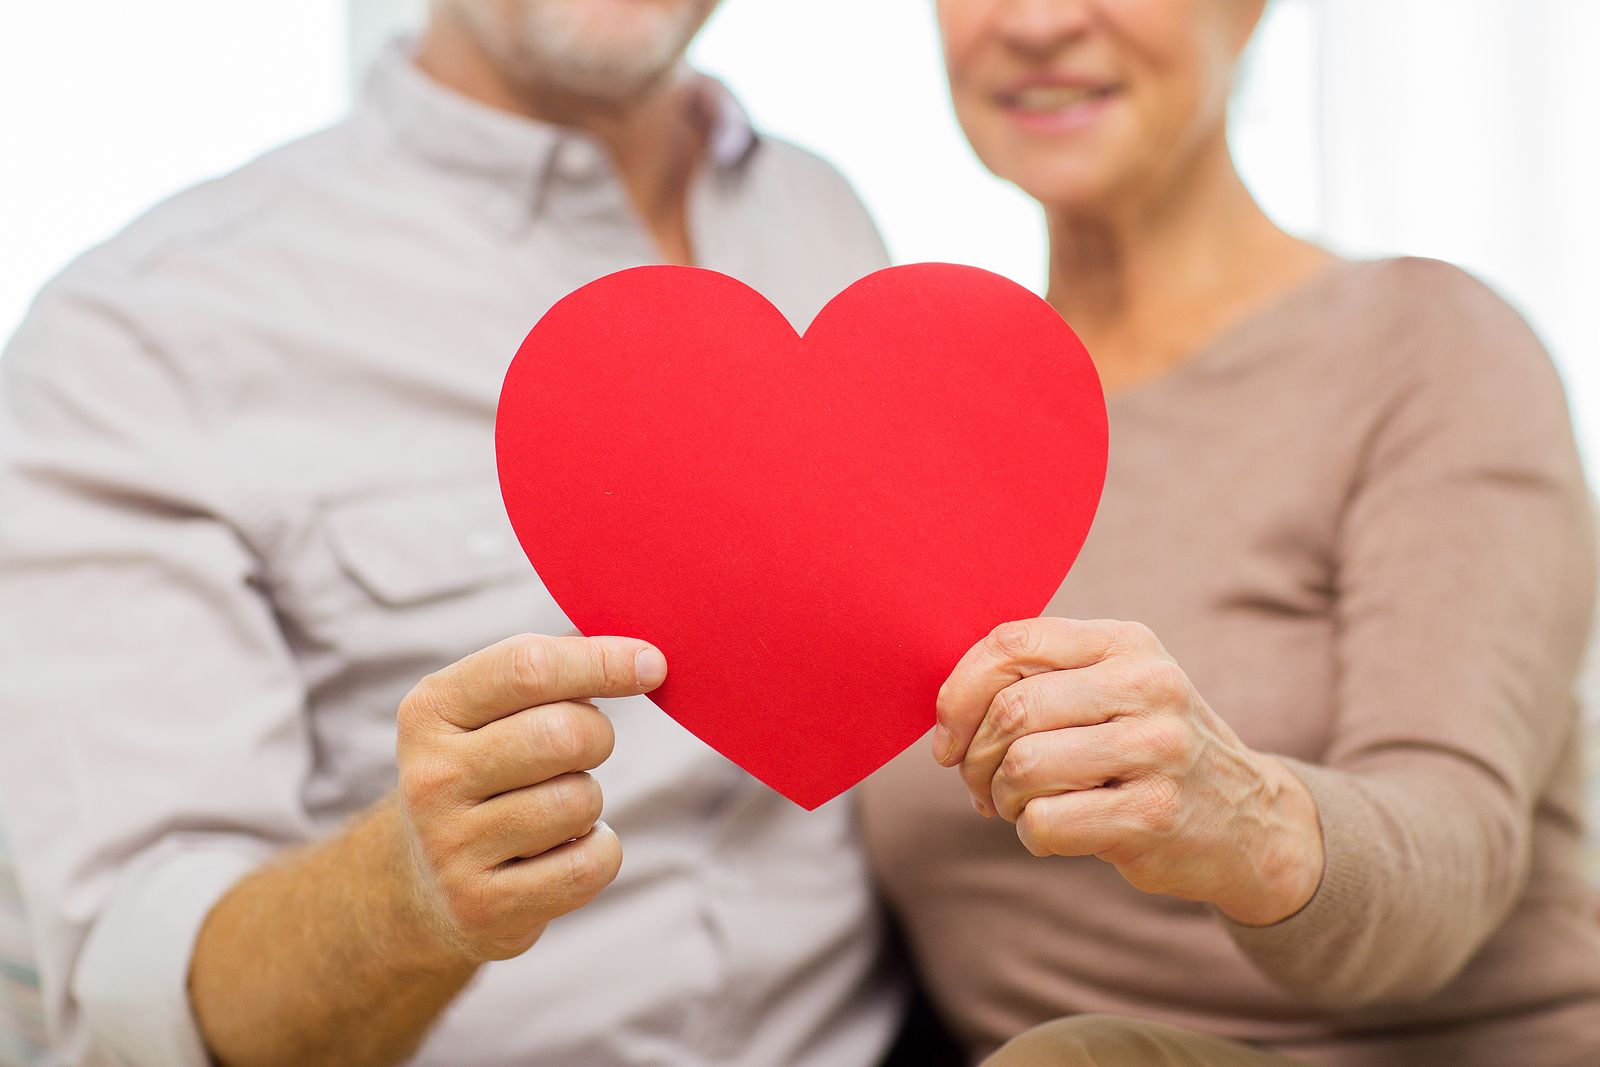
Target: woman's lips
{"x": 1058, "y": 108}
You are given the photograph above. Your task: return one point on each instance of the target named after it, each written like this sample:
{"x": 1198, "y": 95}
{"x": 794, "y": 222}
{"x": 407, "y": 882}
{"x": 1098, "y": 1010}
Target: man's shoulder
{"x": 805, "y": 188}
{"x": 206, "y": 217}
{"x": 784, "y": 160}
{"x": 169, "y": 275}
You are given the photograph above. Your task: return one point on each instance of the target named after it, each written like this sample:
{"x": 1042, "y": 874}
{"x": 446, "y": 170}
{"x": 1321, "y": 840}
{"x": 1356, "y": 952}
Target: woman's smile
{"x": 1056, "y": 103}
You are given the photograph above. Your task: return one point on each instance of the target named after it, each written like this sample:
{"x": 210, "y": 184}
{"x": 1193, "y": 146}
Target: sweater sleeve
{"x": 1464, "y": 588}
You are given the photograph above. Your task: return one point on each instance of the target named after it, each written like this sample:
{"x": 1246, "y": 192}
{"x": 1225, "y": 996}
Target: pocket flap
{"x": 416, "y": 545}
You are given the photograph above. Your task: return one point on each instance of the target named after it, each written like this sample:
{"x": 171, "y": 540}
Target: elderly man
{"x": 250, "y": 513}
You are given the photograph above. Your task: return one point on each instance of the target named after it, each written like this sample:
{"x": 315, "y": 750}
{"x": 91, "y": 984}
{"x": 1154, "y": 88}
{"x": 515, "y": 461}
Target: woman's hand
{"x": 1093, "y": 741}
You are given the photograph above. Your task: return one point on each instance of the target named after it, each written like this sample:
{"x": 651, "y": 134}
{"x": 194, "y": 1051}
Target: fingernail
{"x": 980, "y": 807}
{"x": 603, "y": 825}
{"x": 943, "y": 743}
{"x": 650, "y": 667}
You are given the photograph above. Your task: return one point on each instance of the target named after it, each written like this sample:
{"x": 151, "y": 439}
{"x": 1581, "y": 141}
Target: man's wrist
{"x": 415, "y": 935}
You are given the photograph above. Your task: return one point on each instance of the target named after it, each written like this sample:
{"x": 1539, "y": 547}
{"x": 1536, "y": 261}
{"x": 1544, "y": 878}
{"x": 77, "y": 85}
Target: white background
{"x": 1463, "y": 129}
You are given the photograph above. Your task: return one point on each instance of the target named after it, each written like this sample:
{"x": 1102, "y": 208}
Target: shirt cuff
{"x": 1304, "y": 952}
{"x": 131, "y": 982}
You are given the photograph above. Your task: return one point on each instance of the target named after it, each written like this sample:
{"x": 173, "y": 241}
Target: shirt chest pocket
{"x": 423, "y": 573}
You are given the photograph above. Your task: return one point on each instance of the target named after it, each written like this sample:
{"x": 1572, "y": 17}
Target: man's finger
{"x": 1011, "y": 652}
{"x": 534, "y": 669}
{"x": 561, "y": 879}
{"x": 531, "y": 746}
{"x": 530, "y": 821}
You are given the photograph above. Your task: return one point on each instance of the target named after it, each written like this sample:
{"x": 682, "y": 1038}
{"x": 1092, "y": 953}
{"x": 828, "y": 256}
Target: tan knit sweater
{"x": 1359, "y": 523}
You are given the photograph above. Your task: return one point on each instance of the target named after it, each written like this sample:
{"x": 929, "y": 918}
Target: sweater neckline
{"x": 1223, "y": 350}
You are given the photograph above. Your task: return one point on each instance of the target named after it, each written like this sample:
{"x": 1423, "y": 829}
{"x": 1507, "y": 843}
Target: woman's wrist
{"x": 1288, "y": 858}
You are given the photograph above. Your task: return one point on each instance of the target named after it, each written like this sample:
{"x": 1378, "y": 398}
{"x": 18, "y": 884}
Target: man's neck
{"x": 655, "y": 141}
{"x": 1155, "y": 278}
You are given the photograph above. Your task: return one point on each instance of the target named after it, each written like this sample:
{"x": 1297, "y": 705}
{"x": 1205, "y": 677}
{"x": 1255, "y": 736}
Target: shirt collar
{"x": 505, "y": 158}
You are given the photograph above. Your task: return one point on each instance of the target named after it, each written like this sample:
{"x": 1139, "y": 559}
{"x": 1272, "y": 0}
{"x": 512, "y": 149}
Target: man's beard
{"x": 602, "y": 49}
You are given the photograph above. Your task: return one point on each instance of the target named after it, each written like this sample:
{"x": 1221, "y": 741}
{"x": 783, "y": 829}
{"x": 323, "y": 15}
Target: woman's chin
{"x": 1064, "y": 194}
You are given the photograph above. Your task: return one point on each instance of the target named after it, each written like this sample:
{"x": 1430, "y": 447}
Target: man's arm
{"x": 322, "y": 957}
{"x": 345, "y": 953}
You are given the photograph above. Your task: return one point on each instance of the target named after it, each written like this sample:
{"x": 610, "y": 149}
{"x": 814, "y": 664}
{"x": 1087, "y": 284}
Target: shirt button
{"x": 578, "y": 161}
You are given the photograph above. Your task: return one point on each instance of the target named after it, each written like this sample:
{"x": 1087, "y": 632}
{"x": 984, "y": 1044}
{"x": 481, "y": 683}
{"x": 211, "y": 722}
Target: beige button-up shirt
{"x": 248, "y": 498}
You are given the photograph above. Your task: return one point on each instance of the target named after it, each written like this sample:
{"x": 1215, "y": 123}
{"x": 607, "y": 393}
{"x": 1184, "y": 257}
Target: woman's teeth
{"x": 1046, "y": 98}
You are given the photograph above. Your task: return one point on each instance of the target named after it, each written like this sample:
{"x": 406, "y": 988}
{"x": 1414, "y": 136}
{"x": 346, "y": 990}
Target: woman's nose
{"x": 1043, "y": 26}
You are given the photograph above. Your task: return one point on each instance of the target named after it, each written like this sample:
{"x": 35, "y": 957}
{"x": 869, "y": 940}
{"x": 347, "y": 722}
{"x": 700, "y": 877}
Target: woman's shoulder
{"x": 1438, "y": 312}
{"x": 1415, "y": 327}
{"x": 1436, "y": 353}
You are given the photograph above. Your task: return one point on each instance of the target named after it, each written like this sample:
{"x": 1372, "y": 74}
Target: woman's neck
{"x": 1157, "y": 276}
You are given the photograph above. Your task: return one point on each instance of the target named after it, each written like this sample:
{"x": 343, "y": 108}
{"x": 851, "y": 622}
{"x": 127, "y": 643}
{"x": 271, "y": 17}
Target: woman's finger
{"x": 1065, "y": 761}
{"x": 1089, "y": 822}
{"x": 1011, "y": 652}
{"x": 1036, "y": 704}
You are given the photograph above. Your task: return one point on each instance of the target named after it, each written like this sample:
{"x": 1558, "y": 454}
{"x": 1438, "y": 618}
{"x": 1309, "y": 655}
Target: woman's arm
{"x": 1465, "y": 588}
{"x": 1465, "y": 584}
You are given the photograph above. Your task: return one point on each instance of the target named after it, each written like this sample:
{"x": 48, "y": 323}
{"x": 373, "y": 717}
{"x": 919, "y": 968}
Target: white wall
{"x": 1461, "y": 129}
{"x": 109, "y": 105}
{"x": 1456, "y": 128}
{"x": 1470, "y": 130}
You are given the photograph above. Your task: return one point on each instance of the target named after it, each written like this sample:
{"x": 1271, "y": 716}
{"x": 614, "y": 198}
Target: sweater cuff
{"x": 1318, "y": 947}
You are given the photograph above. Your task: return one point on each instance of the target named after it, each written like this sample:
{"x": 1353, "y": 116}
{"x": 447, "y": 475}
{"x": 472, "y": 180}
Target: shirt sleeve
{"x": 155, "y": 738}
{"x": 1465, "y": 585}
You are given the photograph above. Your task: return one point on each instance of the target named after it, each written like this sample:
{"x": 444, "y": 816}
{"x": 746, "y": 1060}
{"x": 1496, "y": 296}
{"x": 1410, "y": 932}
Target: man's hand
{"x": 501, "y": 816}
{"x": 345, "y": 952}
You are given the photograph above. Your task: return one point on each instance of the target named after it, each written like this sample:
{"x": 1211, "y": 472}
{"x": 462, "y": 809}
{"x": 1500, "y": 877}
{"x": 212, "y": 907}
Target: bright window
{"x": 107, "y": 106}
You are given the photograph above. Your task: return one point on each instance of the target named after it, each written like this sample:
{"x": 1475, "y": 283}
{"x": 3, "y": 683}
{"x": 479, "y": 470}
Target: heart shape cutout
{"x": 812, "y": 530}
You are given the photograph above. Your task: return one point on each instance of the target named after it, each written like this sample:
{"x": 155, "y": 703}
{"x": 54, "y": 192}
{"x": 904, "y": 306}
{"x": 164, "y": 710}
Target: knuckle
{"x": 424, "y": 778}
{"x": 1013, "y": 640}
{"x": 590, "y": 868}
{"x": 561, "y": 735}
{"x": 421, "y": 706}
{"x": 1133, "y": 634}
{"x": 586, "y": 799}
{"x": 604, "y": 668}
{"x": 1158, "y": 805}
{"x": 1020, "y": 763}
{"x": 1165, "y": 743}
{"x": 1012, "y": 711}
{"x": 1033, "y": 826}
{"x": 1156, "y": 679}
{"x": 573, "y": 799}
{"x": 530, "y": 662}
{"x": 604, "y": 734}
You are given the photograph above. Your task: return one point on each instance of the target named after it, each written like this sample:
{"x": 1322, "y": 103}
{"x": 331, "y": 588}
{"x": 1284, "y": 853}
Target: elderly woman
{"x": 1319, "y": 802}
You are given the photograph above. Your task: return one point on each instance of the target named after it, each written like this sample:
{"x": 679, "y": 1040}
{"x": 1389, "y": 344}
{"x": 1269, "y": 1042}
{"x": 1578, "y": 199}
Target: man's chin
{"x": 605, "y": 87}
{"x": 616, "y": 50}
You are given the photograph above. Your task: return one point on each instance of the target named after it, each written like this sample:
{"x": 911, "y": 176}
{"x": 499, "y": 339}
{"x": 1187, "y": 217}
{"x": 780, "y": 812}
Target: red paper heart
{"x": 812, "y": 530}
